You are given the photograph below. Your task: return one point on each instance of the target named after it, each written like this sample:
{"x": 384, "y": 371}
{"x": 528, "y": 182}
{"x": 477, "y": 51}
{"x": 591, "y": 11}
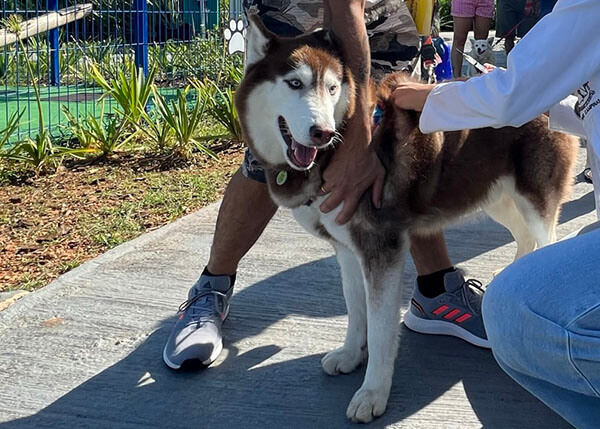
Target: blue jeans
{"x": 542, "y": 317}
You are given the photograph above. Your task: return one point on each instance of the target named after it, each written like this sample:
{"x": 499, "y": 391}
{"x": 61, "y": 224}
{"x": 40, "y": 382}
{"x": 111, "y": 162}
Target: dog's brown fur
{"x": 444, "y": 174}
{"x": 436, "y": 178}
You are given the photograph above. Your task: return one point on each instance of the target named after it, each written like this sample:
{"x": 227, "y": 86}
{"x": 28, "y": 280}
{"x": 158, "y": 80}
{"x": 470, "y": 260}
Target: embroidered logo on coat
{"x": 585, "y": 104}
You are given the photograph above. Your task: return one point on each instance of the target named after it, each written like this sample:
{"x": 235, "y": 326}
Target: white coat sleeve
{"x": 564, "y": 119}
{"x": 556, "y": 57}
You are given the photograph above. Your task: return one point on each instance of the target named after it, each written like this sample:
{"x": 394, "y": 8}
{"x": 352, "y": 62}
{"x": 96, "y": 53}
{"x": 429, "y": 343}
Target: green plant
{"x": 445, "y": 14}
{"x": 235, "y": 74}
{"x": 221, "y": 107}
{"x": 103, "y": 134}
{"x": 168, "y": 58}
{"x": 158, "y": 131}
{"x": 130, "y": 90}
{"x": 38, "y": 152}
{"x": 37, "y": 56}
{"x": 7, "y": 65}
{"x": 9, "y": 130}
{"x": 184, "y": 122}
{"x": 13, "y": 23}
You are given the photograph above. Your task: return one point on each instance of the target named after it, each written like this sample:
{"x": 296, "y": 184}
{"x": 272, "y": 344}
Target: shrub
{"x": 104, "y": 134}
{"x": 130, "y": 89}
{"x": 158, "y": 131}
{"x": 221, "y": 103}
{"x": 183, "y": 120}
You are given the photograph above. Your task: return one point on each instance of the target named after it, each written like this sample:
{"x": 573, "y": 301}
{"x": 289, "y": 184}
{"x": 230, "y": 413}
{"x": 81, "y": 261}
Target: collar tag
{"x": 281, "y": 177}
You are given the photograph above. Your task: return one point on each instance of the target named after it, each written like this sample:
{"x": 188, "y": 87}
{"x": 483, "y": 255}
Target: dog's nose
{"x": 320, "y": 135}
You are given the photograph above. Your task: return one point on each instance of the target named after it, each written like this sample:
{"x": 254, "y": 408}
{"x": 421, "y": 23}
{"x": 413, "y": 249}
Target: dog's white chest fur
{"x": 312, "y": 219}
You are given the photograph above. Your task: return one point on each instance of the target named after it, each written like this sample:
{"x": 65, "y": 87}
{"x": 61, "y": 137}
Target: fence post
{"x": 53, "y": 42}
{"x": 141, "y": 34}
{"x": 213, "y": 14}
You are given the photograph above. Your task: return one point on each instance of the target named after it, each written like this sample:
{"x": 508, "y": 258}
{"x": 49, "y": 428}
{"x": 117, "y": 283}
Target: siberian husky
{"x": 292, "y": 102}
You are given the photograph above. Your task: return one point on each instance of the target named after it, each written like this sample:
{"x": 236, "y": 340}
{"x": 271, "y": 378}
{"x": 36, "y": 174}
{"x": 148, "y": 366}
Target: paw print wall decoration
{"x": 235, "y": 36}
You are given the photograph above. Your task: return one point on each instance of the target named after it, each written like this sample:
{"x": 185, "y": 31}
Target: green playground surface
{"x": 79, "y": 99}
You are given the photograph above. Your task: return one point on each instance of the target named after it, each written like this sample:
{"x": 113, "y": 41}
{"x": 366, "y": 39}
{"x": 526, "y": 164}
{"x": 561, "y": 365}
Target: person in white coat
{"x": 542, "y": 313}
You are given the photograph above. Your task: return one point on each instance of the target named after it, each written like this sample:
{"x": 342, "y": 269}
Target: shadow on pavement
{"x": 247, "y": 390}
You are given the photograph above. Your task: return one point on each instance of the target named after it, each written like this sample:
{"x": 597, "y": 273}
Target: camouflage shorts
{"x": 393, "y": 38}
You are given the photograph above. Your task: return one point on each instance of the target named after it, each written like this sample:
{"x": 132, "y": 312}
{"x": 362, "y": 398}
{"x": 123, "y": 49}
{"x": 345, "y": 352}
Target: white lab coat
{"x": 558, "y": 57}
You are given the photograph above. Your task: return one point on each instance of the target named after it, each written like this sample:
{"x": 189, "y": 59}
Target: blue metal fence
{"x": 181, "y": 38}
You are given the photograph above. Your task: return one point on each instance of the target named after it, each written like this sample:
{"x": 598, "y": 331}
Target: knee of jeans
{"x": 504, "y": 310}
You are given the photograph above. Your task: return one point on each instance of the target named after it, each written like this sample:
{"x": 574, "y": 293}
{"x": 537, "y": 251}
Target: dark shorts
{"x": 509, "y": 13}
{"x": 393, "y": 39}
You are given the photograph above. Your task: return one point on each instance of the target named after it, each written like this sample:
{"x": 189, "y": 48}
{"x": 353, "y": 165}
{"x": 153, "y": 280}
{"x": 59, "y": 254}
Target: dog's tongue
{"x": 304, "y": 155}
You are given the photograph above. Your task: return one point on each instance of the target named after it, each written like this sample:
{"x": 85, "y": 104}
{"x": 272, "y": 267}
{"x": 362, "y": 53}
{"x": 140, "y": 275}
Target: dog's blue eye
{"x": 294, "y": 84}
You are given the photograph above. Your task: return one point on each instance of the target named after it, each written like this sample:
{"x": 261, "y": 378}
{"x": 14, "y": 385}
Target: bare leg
{"x": 246, "y": 210}
{"x": 429, "y": 253}
{"x": 461, "y": 29}
{"x": 482, "y": 27}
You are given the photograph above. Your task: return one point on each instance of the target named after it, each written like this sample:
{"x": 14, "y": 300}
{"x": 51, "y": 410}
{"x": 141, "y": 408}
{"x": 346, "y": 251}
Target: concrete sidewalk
{"x": 85, "y": 351}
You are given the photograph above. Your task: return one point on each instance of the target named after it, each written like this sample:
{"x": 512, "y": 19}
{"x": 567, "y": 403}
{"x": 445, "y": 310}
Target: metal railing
{"x": 181, "y": 38}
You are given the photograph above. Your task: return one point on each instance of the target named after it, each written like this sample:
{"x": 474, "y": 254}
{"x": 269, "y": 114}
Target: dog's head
{"x": 294, "y": 97}
{"x": 481, "y": 46}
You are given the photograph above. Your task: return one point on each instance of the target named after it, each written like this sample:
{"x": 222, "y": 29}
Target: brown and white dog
{"x": 294, "y": 99}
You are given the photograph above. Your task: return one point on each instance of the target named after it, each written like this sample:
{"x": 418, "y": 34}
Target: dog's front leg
{"x": 383, "y": 277}
{"x": 346, "y": 358}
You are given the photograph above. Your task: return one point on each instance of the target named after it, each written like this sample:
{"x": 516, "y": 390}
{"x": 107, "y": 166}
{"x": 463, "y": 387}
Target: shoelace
{"x": 203, "y": 311}
{"x": 471, "y": 297}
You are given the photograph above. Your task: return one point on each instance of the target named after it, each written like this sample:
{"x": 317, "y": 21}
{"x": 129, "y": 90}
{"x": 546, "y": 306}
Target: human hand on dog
{"x": 411, "y": 95}
{"x": 353, "y": 169}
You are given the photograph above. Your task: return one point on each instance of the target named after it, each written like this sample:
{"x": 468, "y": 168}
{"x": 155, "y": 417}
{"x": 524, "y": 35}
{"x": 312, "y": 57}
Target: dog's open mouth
{"x": 301, "y": 156}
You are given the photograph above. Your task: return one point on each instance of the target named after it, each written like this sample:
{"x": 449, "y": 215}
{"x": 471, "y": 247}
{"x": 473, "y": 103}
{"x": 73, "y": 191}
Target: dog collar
{"x": 377, "y": 115}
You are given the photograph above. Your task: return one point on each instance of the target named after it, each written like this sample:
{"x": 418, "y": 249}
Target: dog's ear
{"x": 327, "y": 37}
{"x": 472, "y": 41}
{"x": 491, "y": 40}
{"x": 258, "y": 39}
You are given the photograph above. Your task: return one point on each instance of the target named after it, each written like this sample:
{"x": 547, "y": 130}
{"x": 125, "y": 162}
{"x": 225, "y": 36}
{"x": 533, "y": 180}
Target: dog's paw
{"x": 342, "y": 361}
{"x": 367, "y": 404}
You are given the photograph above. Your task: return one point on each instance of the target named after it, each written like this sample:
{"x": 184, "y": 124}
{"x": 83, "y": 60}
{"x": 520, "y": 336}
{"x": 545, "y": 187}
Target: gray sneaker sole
{"x": 213, "y": 357}
{"x": 438, "y": 327}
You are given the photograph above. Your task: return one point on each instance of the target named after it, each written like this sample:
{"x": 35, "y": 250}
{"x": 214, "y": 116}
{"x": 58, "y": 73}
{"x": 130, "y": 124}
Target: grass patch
{"x": 54, "y": 223}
